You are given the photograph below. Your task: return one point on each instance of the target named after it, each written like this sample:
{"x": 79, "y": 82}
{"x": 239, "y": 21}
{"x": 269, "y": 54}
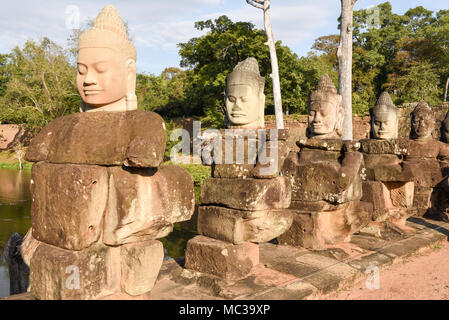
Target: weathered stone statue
{"x": 388, "y": 187}
{"x": 425, "y": 157}
{"x": 106, "y": 78}
{"x": 324, "y": 174}
{"x": 100, "y": 196}
{"x": 245, "y": 100}
{"x": 325, "y": 111}
{"x": 384, "y": 119}
{"x": 244, "y": 202}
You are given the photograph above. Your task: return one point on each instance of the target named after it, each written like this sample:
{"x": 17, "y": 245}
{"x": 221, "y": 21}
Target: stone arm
{"x": 443, "y": 157}
{"x": 350, "y": 167}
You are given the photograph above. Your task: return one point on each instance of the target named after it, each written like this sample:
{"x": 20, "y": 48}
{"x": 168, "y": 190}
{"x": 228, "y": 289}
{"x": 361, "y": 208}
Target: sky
{"x": 157, "y": 26}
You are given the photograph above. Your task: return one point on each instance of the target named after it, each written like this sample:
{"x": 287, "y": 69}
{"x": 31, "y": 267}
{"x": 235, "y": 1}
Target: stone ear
{"x": 261, "y": 122}
{"x": 131, "y": 98}
{"x": 339, "y": 117}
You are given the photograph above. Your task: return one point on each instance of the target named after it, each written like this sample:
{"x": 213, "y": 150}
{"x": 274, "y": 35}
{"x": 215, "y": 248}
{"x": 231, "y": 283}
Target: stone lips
{"x": 134, "y": 138}
{"x": 144, "y": 204}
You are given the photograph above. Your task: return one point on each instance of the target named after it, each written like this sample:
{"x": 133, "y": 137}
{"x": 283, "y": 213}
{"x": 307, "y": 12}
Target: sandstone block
{"x": 383, "y": 147}
{"x": 241, "y": 171}
{"x": 103, "y": 138}
{"x": 421, "y": 199}
{"x": 247, "y": 194}
{"x": 315, "y": 230}
{"x": 68, "y": 204}
{"x": 270, "y": 159}
{"x": 223, "y": 259}
{"x": 322, "y": 181}
{"x": 140, "y": 263}
{"x": 426, "y": 173}
{"x": 144, "y": 204}
{"x": 238, "y": 226}
{"x": 58, "y": 274}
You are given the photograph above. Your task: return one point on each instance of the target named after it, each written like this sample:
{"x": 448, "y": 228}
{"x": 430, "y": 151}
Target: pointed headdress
{"x": 108, "y": 31}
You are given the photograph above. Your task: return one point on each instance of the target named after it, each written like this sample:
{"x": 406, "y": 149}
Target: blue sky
{"x": 158, "y": 25}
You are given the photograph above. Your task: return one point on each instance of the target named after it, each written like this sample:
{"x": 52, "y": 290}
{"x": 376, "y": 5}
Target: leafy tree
{"x": 42, "y": 85}
{"x": 212, "y": 56}
{"x": 407, "y": 54}
{"x": 4, "y": 74}
{"x": 164, "y": 94}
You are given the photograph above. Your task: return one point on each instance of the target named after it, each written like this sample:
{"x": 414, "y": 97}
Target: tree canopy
{"x": 212, "y": 56}
{"x": 406, "y": 55}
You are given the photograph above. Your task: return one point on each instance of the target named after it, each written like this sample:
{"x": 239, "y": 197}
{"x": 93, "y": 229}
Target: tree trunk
{"x": 445, "y": 90}
{"x": 274, "y": 67}
{"x": 344, "y": 55}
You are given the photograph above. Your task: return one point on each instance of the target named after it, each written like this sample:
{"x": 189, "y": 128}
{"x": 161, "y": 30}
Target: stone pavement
{"x": 287, "y": 273}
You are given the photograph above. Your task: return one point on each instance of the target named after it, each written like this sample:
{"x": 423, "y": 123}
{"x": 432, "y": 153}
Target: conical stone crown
{"x": 326, "y": 84}
{"x": 109, "y": 19}
{"x": 247, "y": 72}
{"x": 384, "y": 104}
{"x": 108, "y": 31}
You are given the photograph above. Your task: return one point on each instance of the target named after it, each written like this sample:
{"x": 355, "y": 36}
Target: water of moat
{"x": 15, "y": 204}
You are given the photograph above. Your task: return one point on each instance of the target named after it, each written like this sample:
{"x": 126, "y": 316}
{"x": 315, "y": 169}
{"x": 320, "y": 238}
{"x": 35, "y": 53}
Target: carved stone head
{"x": 423, "y": 122}
{"x": 384, "y": 118}
{"x": 106, "y": 78}
{"x": 245, "y": 100}
{"x": 325, "y": 111}
{"x": 445, "y": 128}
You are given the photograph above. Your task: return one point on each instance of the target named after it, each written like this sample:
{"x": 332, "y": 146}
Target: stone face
{"x": 112, "y": 87}
{"x": 140, "y": 263}
{"x": 384, "y": 118}
{"x": 80, "y": 138}
{"x": 68, "y": 204}
{"x": 247, "y": 194}
{"x": 222, "y": 259}
{"x": 325, "y": 118}
{"x": 238, "y": 226}
{"x": 144, "y": 204}
{"x": 58, "y": 274}
{"x": 245, "y": 100}
{"x": 313, "y": 230}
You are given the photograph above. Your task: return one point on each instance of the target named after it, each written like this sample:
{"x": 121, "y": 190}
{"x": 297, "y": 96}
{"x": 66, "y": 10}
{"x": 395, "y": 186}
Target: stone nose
{"x": 90, "y": 79}
{"x": 237, "y": 106}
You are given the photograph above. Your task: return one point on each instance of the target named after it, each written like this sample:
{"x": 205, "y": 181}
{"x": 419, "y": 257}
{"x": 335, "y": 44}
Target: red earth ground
{"x": 424, "y": 277}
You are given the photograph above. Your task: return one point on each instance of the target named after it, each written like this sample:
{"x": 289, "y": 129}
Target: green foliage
{"x": 41, "y": 85}
{"x": 213, "y": 56}
{"x": 4, "y": 74}
{"x": 164, "y": 94}
{"x": 407, "y": 55}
